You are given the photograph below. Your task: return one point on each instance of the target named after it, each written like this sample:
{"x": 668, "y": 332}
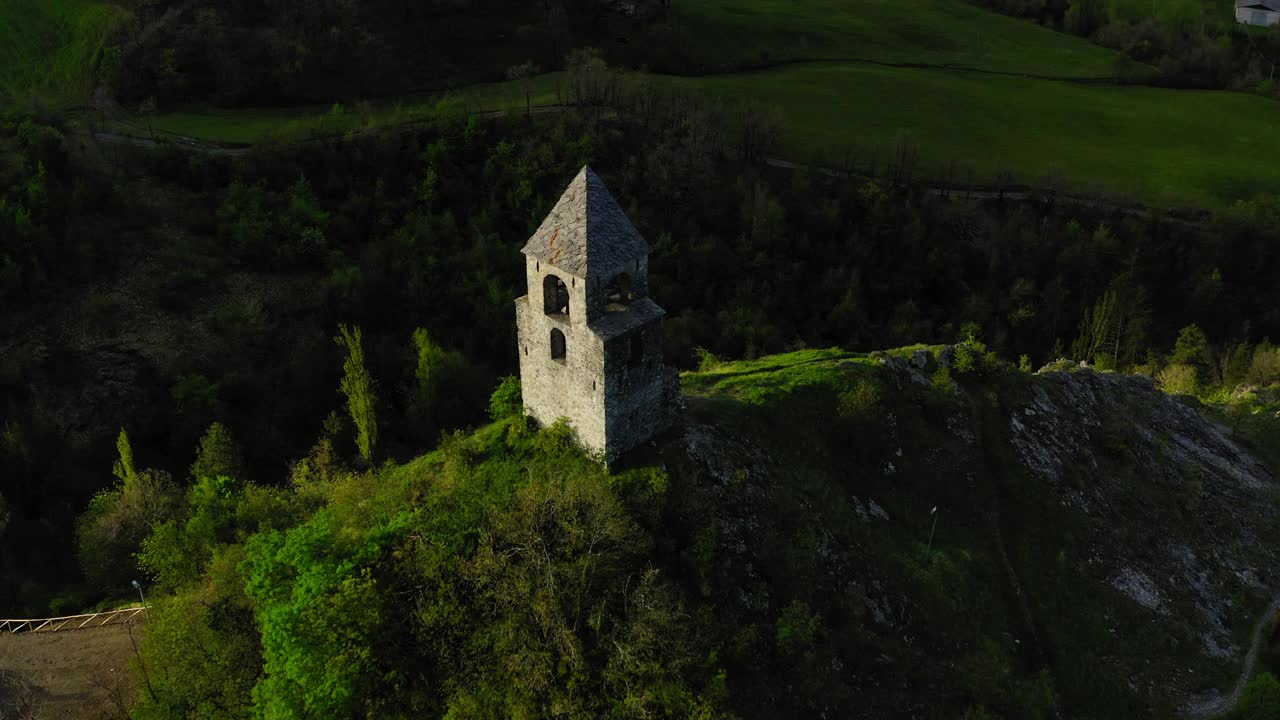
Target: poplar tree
{"x": 357, "y": 386}
{"x": 123, "y": 467}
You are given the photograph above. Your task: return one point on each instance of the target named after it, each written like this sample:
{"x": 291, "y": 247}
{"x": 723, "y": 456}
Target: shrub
{"x": 1178, "y": 380}
{"x": 1060, "y": 365}
{"x": 1261, "y": 699}
{"x": 860, "y": 402}
{"x": 195, "y": 393}
{"x": 797, "y": 627}
{"x": 707, "y": 360}
{"x": 507, "y": 399}
{"x": 1265, "y": 368}
{"x": 557, "y": 438}
{"x": 972, "y": 356}
{"x": 942, "y": 384}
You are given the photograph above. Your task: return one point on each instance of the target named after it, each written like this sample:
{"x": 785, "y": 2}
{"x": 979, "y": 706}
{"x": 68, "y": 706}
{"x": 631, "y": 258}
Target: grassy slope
{"x": 48, "y": 46}
{"x": 799, "y": 538}
{"x": 917, "y": 31}
{"x": 1159, "y": 146}
{"x": 256, "y": 124}
{"x": 1096, "y": 646}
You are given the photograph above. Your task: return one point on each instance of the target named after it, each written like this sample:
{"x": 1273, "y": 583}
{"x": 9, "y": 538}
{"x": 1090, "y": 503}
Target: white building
{"x": 1258, "y": 12}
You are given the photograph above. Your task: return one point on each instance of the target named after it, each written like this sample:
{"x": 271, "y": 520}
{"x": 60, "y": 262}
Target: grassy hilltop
{"x": 774, "y": 558}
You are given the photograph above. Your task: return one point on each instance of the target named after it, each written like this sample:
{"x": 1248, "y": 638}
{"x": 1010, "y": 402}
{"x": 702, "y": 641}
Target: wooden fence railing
{"x": 74, "y": 622}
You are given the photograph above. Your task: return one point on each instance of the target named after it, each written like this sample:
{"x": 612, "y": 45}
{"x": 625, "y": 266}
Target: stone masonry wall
{"x": 636, "y": 404}
{"x": 612, "y": 404}
{"x": 572, "y": 388}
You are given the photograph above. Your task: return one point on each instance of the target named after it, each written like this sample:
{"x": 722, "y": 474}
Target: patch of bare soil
{"x": 76, "y": 675}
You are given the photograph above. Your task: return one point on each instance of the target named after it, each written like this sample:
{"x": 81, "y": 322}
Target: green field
{"x": 942, "y": 32}
{"x": 257, "y": 124}
{"x": 1161, "y": 147}
{"x": 48, "y": 47}
{"x": 1166, "y": 147}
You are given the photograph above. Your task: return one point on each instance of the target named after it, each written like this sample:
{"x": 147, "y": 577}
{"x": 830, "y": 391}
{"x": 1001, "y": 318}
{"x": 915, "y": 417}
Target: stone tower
{"x": 590, "y": 337}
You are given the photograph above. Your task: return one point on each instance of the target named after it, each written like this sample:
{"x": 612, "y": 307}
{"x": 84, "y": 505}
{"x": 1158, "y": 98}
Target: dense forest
{"x": 252, "y": 53}
{"x": 161, "y": 290}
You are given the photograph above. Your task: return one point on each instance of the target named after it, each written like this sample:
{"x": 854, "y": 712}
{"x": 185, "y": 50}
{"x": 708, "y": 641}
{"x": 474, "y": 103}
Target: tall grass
{"x": 48, "y": 48}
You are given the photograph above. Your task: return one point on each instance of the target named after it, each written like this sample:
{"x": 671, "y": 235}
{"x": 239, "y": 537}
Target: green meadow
{"x": 1164, "y": 147}
{"x": 1160, "y": 147}
{"x": 1156, "y": 146}
{"x": 251, "y": 125}
{"x": 48, "y": 47}
{"x": 936, "y": 32}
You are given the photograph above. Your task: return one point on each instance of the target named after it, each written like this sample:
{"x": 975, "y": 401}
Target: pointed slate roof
{"x": 586, "y": 229}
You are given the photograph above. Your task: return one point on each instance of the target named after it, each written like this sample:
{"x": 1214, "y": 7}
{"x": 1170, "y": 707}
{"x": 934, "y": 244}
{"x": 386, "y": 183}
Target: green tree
{"x": 1084, "y": 16}
{"x": 796, "y": 628}
{"x": 218, "y": 454}
{"x": 1178, "y": 380}
{"x": 507, "y": 399}
{"x": 1261, "y": 699}
{"x": 524, "y": 74}
{"x": 443, "y": 384}
{"x": 123, "y": 468}
{"x": 321, "y": 617}
{"x": 428, "y": 372}
{"x": 358, "y": 388}
{"x": 1096, "y": 329}
{"x": 1192, "y": 349}
{"x": 1113, "y": 332}
{"x": 1237, "y": 365}
{"x": 111, "y": 531}
{"x": 1264, "y": 370}
{"x": 202, "y": 657}
{"x": 546, "y": 570}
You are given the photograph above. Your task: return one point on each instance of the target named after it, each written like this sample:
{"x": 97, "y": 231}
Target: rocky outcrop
{"x": 1194, "y": 556}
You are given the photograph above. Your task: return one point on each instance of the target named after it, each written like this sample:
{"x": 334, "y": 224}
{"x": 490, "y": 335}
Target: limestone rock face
{"x": 1196, "y": 543}
{"x": 1159, "y": 521}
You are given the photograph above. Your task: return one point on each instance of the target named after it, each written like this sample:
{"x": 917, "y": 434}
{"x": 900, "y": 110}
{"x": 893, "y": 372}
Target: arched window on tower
{"x": 618, "y": 292}
{"x": 558, "y": 349}
{"x": 555, "y": 296}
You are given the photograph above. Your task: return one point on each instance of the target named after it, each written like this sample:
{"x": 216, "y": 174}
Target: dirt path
{"x": 81, "y": 675}
{"x": 1214, "y": 707}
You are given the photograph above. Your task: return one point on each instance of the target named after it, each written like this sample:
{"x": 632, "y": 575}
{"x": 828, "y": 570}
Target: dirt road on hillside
{"x": 80, "y": 675}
